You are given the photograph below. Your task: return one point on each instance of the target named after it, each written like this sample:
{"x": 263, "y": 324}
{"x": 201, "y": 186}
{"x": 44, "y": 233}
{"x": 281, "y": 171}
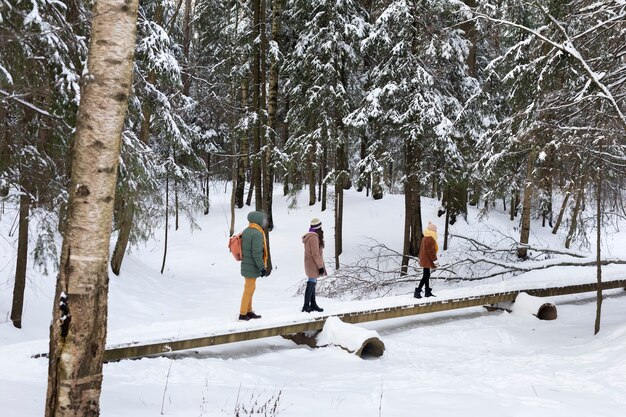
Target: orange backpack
{"x": 234, "y": 246}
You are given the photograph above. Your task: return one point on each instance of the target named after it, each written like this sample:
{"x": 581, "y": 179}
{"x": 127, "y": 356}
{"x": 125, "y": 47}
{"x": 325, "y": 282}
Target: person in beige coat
{"x": 313, "y": 263}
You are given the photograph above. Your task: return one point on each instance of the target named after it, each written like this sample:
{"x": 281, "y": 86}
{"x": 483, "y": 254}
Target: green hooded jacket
{"x": 252, "y": 247}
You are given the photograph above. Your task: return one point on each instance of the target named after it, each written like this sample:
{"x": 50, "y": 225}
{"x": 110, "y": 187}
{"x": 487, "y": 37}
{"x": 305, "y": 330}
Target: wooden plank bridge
{"x": 134, "y": 351}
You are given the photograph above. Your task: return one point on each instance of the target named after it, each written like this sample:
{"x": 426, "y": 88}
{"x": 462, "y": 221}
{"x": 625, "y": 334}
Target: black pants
{"x": 425, "y": 280}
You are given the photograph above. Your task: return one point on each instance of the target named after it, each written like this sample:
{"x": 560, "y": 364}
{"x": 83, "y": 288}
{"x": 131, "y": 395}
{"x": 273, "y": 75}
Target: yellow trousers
{"x": 246, "y": 298}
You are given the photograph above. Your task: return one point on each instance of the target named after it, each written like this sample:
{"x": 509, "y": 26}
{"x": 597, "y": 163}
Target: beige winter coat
{"x": 313, "y": 255}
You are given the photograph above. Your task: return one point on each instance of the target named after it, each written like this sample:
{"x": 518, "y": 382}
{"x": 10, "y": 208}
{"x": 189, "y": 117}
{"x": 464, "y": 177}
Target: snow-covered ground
{"x": 465, "y": 362}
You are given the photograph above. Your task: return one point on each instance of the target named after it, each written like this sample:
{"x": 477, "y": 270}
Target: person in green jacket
{"x": 253, "y": 262}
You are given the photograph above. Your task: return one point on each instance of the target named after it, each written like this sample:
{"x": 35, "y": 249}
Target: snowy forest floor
{"x": 467, "y": 362}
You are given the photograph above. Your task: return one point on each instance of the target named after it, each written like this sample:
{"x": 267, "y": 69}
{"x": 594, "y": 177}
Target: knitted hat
{"x": 432, "y": 227}
{"x": 316, "y": 223}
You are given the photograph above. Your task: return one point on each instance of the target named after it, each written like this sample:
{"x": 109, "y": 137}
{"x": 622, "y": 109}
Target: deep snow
{"x": 466, "y": 362}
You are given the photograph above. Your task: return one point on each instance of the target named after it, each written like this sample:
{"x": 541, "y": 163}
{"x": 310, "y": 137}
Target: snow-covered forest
{"x": 136, "y": 136}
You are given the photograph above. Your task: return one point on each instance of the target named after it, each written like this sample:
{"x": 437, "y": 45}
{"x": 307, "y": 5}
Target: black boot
{"x": 417, "y": 293}
{"x": 308, "y": 294}
{"x": 314, "y": 305}
{"x": 429, "y": 292}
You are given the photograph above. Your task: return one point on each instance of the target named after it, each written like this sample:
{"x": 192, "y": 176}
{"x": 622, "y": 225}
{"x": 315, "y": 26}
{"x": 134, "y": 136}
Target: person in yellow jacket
{"x": 427, "y": 259}
{"x": 254, "y": 261}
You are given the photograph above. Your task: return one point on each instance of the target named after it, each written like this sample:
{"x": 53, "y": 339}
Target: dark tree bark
{"x": 513, "y": 211}
{"x": 167, "y": 218}
{"x": 598, "y": 240}
{"x": 243, "y": 162}
{"x": 339, "y": 187}
{"x": 78, "y": 327}
{"x": 559, "y": 219}
{"x": 324, "y": 173}
{"x": 207, "y": 200}
{"x": 186, "y": 76}
{"x": 574, "y": 223}
{"x": 22, "y": 261}
{"x": 412, "y": 205}
{"x": 526, "y": 206}
{"x": 362, "y": 154}
{"x": 123, "y": 237}
{"x": 256, "y": 104}
{"x": 446, "y": 226}
{"x": 250, "y": 193}
{"x": 311, "y": 175}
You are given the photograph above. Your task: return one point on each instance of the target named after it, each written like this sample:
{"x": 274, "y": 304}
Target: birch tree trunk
{"x": 78, "y": 328}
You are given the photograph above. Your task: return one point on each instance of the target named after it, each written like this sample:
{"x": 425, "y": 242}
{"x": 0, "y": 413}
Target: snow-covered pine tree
{"x": 418, "y": 84}
{"x": 559, "y": 66}
{"x": 163, "y": 135}
{"x": 40, "y": 62}
{"x": 323, "y": 88}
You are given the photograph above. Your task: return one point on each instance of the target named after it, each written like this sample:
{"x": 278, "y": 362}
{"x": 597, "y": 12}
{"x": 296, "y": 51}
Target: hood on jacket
{"x": 308, "y": 236}
{"x": 257, "y": 217}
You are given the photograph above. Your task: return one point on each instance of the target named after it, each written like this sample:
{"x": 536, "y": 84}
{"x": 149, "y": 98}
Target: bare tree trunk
{"x": 207, "y": 200}
{"x": 311, "y": 172}
{"x": 250, "y": 193}
{"x": 233, "y": 193}
{"x": 324, "y": 172}
{"x": 256, "y": 104}
{"x": 345, "y": 167}
{"x": 513, "y": 213}
{"x": 176, "y": 203}
{"x": 338, "y": 222}
{"x": 128, "y": 214}
{"x": 320, "y": 181}
{"x": 376, "y": 180}
{"x": 22, "y": 261}
{"x": 412, "y": 206}
{"x": 574, "y": 222}
{"x": 167, "y": 218}
{"x": 78, "y": 329}
{"x": 272, "y": 123}
{"x": 339, "y": 187}
{"x": 522, "y": 253}
{"x": 446, "y": 226}
{"x": 362, "y": 154}
{"x": 186, "y": 76}
{"x": 243, "y": 161}
{"x": 559, "y": 219}
{"x": 598, "y": 242}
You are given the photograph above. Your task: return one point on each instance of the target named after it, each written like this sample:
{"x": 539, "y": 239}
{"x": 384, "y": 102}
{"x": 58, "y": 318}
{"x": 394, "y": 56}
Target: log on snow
{"x": 542, "y": 308}
{"x": 351, "y": 338}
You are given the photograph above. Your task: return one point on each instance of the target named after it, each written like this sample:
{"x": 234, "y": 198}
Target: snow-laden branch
{"x": 568, "y": 48}
{"x": 9, "y": 96}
